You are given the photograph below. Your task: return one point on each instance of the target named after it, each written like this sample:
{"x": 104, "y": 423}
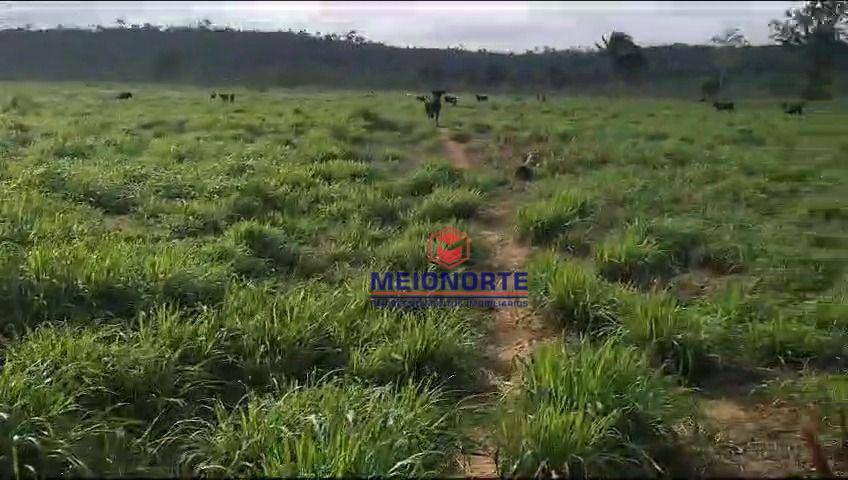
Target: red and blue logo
{"x": 449, "y": 248}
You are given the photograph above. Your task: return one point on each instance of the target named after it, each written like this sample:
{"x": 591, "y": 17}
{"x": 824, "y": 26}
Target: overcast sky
{"x": 501, "y": 26}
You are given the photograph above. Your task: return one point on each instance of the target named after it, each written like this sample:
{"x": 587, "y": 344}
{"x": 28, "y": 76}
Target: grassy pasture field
{"x": 185, "y": 282}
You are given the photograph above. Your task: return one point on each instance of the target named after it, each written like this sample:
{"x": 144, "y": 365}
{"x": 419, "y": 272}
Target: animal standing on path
{"x": 719, "y": 106}
{"x": 434, "y": 106}
{"x": 526, "y": 171}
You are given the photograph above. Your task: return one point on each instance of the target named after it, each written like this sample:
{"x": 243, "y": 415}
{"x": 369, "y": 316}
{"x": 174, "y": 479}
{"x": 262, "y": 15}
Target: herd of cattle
{"x": 525, "y": 171}
{"x": 433, "y": 104}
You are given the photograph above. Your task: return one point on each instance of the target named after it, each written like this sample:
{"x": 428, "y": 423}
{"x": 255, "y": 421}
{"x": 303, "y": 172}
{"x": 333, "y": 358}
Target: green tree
{"x": 728, "y": 55}
{"x": 819, "y": 27}
{"x": 628, "y": 62}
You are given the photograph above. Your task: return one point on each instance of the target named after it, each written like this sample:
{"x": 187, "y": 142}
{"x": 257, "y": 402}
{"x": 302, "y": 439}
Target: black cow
{"x": 719, "y": 106}
{"x": 793, "y": 108}
{"x": 434, "y": 106}
{"x": 452, "y": 99}
{"x": 481, "y": 98}
{"x": 124, "y": 96}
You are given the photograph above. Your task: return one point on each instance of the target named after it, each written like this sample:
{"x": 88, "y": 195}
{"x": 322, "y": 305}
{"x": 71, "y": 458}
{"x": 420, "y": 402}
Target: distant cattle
{"x": 227, "y": 97}
{"x": 421, "y": 98}
{"x": 719, "y": 106}
{"x": 124, "y": 96}
{"x": 481, "y": 98}
{"x": 793, "y": 108}
{"x": 452, "y": 99}
{"x": 212, "y": 96}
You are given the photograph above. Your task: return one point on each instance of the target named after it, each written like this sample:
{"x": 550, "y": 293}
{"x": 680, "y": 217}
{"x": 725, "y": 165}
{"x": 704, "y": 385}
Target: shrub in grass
{"x": 437, "y": 344}
{"x": 331, "y": 430}
{"x": 187, "y": 219}
{"x": 542, "y": 221}
{"x": 682, "y": 238}
{"x": 376, "y": 122}
{"x": 792, "y": 340}
{"x": 426, "y": 178}
{"x": 632, "y": 256}
{"x": 487, "y": 180}
{"x": 383, "y": 209}
{"x": 596, "y": 411}
{"x": 673, "y": 335}
{"x": 73, "y": 394}
{"x": 258, "y": 198}
{"x": 405, "y": 250}
{"x": 573, "y": 295}
{"x": 282, "y": 333}
{"x": 446, "y": 203}
{"x": 267, "y": 243}
{"x": 334, "y": 171}
{"x": 100, "y": 278}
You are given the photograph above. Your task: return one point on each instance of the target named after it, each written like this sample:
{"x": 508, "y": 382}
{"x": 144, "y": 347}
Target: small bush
{"x": 267, "y": 243}
{"x": 632, "y": 256}
{"x": 447, "y": 203}
{"x": 332, "y": 430}
{"x": 427, "y": 178}
{"x": 596, "y": 411}
{"x": 543, "y": 221}
{"x": 572, "y": 294}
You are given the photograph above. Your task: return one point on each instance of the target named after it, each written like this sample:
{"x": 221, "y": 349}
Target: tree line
{"x": 813, "y": 54}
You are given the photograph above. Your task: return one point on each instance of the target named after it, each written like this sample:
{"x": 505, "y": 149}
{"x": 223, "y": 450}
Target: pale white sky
{"x": 499, "y": 26}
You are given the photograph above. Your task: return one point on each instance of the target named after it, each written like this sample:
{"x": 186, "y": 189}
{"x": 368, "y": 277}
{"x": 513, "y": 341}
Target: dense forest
{"x": 206, "y": 56}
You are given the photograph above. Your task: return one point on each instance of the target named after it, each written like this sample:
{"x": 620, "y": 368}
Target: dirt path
{"x": 513, "y": 332}
{"x": 754, "y": 436}
{"x": 750, "y": 437}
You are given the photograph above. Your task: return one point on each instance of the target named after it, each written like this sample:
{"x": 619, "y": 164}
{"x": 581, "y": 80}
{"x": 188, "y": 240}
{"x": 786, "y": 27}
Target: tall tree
{"x": 728, "y": 55}
{"x": 628, "y": 62}
{"x": 819, "y": 27}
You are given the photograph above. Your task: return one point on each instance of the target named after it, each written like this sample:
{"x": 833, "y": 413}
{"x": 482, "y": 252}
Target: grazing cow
{"x": 481, "y": 98}
{"x": 421, "y": 98}
{"x": 124, "y": 96}
{"x": 793, "y": 108}
{"x": 452, "y": 99}
{"x": 434, "y": 106}
{"x": 724, "y": 106}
